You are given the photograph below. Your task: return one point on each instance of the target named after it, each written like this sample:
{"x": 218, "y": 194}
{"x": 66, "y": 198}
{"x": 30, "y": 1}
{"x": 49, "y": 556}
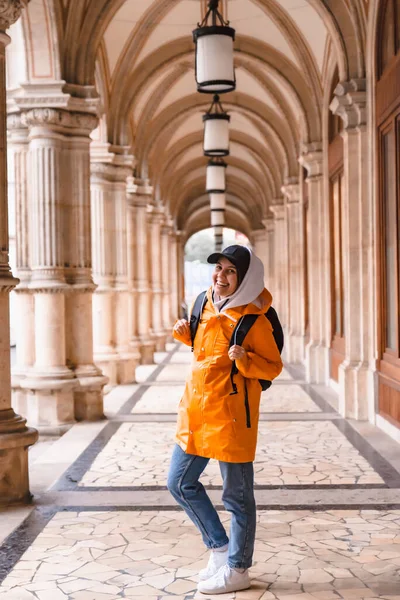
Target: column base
{"x": 147, "y": 350}
{"x": 108, "y": 365}
{"x": 127, "y": 368}
{"x": 49, "y": 404}
{"x": 356, "y": 391}
{"x": 88, "y": 396}
{"x": 160, "y": 341}
{"x": 15, "y": 439}
{"x": 317, "y": 363}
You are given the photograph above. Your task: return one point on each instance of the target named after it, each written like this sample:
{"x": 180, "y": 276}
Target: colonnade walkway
{"x": 103, "y": 526}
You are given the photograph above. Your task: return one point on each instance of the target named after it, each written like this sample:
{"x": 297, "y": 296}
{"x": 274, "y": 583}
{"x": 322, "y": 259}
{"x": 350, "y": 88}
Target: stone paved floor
{"x": 102, "y": 525}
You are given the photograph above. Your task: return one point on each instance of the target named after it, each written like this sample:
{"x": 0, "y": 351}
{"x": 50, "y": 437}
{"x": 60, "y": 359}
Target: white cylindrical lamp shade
{"x": 215, "y": 71}
{"x": 217, "y": 201}
{"x": 216, "y": 135}
{"x": 217, "y": 218}
{"x": 218, "y": 236}
{"x": 215, "y": 182}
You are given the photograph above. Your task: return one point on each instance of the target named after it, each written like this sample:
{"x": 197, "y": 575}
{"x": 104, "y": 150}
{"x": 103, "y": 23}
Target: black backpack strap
{"x": 238, "y": 335}
{"x": 197, "y": 310}
{"x": 272, "y": 317}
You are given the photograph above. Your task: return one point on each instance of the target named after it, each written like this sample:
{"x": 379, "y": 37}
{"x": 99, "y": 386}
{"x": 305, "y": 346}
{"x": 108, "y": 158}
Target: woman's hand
{"x": 235, "y": 352}
{"x": 182, "y": 327}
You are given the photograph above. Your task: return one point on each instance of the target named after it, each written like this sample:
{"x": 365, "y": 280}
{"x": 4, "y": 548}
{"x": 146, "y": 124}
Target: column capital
{"x": 350, "y": 103}
{"x": 259, "y": 235}
{"x": 10, "y": 11}
{"x": 291, "y": 193}
{"x": 278, "y": 210}
{"x": 61, "y": 121}
{"x": 140, "y": 188}
{"x": 268, "y": 224}
{"x": 156, "y": 214}
{"x": 311, "y": 159}
{"x": 104, "y": 172}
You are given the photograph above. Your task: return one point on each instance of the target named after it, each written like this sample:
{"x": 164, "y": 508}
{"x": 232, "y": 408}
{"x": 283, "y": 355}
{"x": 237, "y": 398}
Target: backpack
{"x": 239, "y": 333}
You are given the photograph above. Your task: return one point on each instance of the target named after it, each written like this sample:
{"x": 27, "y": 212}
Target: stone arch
{"x": 41, "y": 24}
{"x": 192, "y": 104}
{"x": 200, "y": 220}
{"x": 265, "y": 158}
{"x": 260, "y": 54}
{"x": 184, "y": 174}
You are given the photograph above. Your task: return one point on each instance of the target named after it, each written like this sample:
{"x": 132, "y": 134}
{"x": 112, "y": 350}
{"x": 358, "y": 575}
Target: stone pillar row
{"x": 56, "y": 381}
{"x": 115, "y": 352}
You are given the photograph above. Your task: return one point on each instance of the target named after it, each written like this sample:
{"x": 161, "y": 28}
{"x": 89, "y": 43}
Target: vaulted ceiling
{"x": 139, "y": 55}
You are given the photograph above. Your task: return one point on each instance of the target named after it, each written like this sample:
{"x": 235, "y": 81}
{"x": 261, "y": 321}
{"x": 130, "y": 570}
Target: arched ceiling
{"x": 140, "y": 56}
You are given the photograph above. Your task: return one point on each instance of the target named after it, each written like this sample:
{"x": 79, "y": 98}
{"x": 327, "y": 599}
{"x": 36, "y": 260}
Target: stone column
{"x": 295, "y": 230}
{"x": 318, "y": 235}
{"x": 269, "y": 272}
{"x": 127, "y": 349}
{"x": 18, "y": 144}
{"x": 156, "y": 220}
{"x": 167, "y": 277}
{"x": 138, "y": 197}
{"x": 15, "y": 436}
{"x": 174, "y": 282}
{"x": 111, "y": 311}
{"x": 88, "y": 396}
{"x": 104, "y": 268}
{"x": 65, "y": 384}
{"x": 356, "y": 373}
{"x": 180, "y": 255}
{"x": 259, "y": 237}
{"x": 281, "y": 284}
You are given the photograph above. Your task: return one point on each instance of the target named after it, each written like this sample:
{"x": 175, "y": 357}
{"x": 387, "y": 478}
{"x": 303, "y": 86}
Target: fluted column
{"x": 295, "y": 229}
{"x": 104, "y": 268}
{"x": 138, "y": 197}
{"x": 318, "y": 242}
{"x": 156, "y": 219}
{"x": 113, "y": 351}
{"x": 259, "y": 237}
{"x": 281, "y": 283}
{"x": 269, "y": 271}
{"x": 356, "y": 373}
{"x": 180, "y": 254}
{"x": 88, "y": 397}
{"x": 174, "y": 304}
{"x": 18, "y": 144}
{"x": 167, "y": 277}
{"x": 64, "y": 384}
{"x": 15, "y": 436}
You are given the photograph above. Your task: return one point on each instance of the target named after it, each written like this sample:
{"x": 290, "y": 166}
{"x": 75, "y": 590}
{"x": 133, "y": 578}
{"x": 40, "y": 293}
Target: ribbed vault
{"x": 139, "y": 58}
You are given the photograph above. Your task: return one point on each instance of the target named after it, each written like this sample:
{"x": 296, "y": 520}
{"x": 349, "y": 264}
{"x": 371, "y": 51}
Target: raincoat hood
{"x": 250, "y": 291}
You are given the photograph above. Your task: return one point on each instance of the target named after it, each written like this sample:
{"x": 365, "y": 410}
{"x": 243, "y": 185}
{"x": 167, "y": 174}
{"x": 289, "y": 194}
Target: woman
{"x": 214, "y": 423}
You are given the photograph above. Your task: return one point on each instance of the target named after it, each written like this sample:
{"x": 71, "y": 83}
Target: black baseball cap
{"x": 237, "y": 255}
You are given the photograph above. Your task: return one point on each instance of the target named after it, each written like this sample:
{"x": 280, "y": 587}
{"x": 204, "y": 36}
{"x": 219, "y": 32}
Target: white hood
{"x": 248, "y": 291}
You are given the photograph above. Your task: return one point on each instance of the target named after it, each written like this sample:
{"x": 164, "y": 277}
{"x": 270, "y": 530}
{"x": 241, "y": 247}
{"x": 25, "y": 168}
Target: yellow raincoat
{"x": 211, "y": 422}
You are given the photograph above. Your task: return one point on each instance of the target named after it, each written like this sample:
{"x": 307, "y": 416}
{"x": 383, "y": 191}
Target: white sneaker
{"x": 215, "y": 562}
{"x": 224, "y": 581}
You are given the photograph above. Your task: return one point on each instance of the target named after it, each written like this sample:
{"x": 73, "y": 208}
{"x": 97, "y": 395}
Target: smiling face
{"x": 225, "y": 278}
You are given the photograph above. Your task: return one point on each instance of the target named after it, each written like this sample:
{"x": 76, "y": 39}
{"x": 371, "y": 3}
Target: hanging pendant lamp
{"x": 218, "y": 237}
{"x": 216, "y": 130}
{"x": 217, "y": 206}
{"x": 214, "y": 53}
{"x": 215, "y": 181}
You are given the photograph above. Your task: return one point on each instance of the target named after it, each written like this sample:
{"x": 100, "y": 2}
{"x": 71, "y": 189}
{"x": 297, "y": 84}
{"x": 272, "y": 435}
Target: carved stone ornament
{"x": 61, "y": 118}
{"x": 10, "y": 11}
{"x": 103, "y": 171}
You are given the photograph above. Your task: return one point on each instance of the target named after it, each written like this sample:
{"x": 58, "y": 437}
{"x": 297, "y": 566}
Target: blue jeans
{"x": 238, "y": 498}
